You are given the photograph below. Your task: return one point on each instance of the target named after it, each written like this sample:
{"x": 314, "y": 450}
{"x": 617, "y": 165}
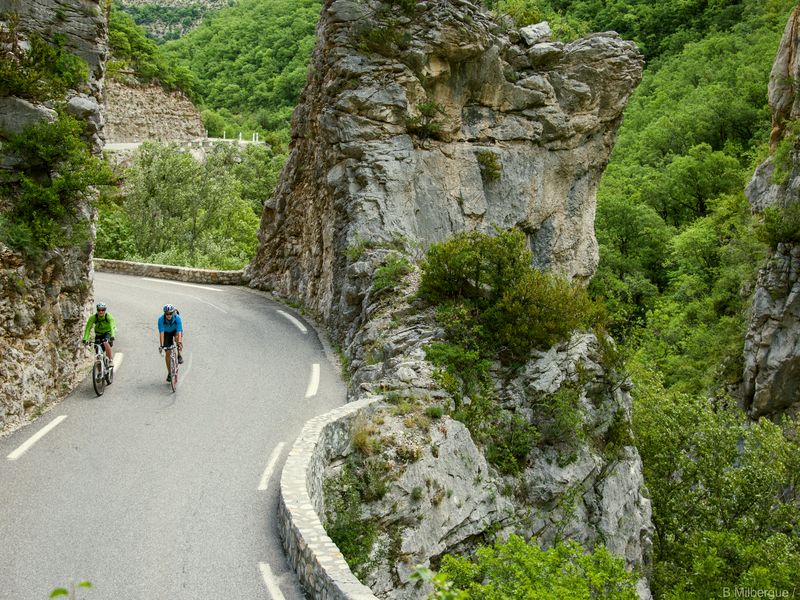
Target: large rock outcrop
{"x": 43, "y": 299}
{"x": 772, "y": 344}
{"x": 438, "y": 492}
{"x": 414, "y": 126}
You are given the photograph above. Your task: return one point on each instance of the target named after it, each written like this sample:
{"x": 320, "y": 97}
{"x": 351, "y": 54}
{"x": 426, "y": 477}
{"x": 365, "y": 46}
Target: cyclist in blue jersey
{"x": 170, "y": 328}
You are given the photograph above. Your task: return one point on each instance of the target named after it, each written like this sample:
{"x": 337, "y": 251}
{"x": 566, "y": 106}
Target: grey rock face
{"x": 772, "y": 343}
{"x": 137, "y": 112}
{"x": 443, "y": 496}
{"x": 392, "y": 127}
{"x": 16, "y": 114}
{"x": 43, "y": 300}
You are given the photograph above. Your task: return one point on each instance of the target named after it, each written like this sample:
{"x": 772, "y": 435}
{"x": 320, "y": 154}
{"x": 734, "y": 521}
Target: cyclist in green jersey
{"x": 104, "y": 330}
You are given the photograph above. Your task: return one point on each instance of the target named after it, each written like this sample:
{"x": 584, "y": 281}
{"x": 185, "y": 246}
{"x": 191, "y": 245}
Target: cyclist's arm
{"x": 178, "y": 324}
{"x": 161, "y": 331}
{"x": 112, "y": 325}
{"x": 89, "y": 325}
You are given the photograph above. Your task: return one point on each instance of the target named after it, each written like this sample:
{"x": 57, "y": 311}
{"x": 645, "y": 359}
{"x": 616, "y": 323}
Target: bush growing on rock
{"x": 506, "y": 305}
{"x": 516, "y": 569}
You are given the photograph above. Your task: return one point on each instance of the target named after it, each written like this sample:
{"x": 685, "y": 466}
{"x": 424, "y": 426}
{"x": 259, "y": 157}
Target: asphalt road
{"x": 152, "y": 495}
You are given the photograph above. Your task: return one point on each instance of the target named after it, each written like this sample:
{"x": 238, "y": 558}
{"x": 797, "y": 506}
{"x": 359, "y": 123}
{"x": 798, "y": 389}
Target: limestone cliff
{"x": 772, "y": 344}
{"x": 43, "y": 299}
{"x": 415, "y": 125}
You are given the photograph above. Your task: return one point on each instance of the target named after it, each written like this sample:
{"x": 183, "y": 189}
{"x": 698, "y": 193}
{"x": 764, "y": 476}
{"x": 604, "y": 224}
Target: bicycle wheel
{"x": 98, "y": 381}
{"x": 109, "y": 374}
{"x": 173, "y": 367}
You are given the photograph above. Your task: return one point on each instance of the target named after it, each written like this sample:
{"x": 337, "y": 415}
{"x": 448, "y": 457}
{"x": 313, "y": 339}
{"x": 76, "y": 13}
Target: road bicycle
{"x": 173, "y": 364}
{"x": 102, "y": 373}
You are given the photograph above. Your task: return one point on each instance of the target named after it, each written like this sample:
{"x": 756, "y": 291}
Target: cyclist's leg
{"x": 107, "y": 346}
{"x": 179, "y": 342}
{"x": 168, "y": 340}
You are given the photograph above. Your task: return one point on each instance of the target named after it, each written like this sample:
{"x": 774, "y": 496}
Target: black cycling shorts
{"x": 169, "y": 338}
{"x": 99, "y": 338}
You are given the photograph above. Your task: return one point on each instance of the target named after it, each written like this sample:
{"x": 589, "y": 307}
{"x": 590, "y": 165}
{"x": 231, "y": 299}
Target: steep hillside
{"x": 170, "y": 19}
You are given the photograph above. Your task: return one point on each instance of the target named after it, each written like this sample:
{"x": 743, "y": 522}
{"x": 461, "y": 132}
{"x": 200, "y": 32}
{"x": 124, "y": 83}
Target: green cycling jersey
{"x": 102, "y": 325}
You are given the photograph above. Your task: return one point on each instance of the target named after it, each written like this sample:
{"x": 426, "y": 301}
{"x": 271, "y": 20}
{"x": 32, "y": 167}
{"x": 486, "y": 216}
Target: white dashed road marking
{"x": 269, "y": 581}
{"x": 35, "y": 438}
{"x": 202, "y": 287}
{"x": 270, "y": 466}
{"x": 296, "y": 323}
{"x": 313, "y": 383}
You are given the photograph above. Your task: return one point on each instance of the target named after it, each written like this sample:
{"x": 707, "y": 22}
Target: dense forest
{"x": 678, "y": 242}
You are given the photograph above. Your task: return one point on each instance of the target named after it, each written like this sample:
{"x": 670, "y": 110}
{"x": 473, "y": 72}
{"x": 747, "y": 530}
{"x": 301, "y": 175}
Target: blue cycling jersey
{"x": 170, "y": 326}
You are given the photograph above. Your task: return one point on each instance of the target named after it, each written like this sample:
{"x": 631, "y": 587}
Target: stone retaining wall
{"x": 317, "y": 561}
{"x": 187, "y": 274}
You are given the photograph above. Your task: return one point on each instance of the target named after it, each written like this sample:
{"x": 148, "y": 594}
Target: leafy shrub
{"x": 426, "y": 125}
{"x": 561, "y": 414}
{"x": 352, "y": 534}
{"x": 58, "y": 174}
{"x": 781, "y": 225}
{"x": 783, "y": 156}
{"x": 132, "y": 49}
{"x": 45, "y": 71}
{"x": 383, "y": 40}
{"x": 516, "y": 570}
{"x": 515, "y": 308}
{"x": 490, "y": 165}
{"x": 388, "y": 275}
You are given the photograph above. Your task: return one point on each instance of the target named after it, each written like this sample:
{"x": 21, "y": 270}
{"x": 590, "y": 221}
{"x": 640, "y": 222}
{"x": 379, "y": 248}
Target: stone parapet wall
{"x": 187, "y": 274}
{"x": 315, "y": 559}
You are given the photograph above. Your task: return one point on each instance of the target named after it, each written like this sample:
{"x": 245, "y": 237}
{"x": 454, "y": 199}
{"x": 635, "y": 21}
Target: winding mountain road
{"x": 151, "y": 495}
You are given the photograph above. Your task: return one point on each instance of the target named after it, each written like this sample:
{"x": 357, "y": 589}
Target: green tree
{"x": 56, "y": 176}
{"x": 183, "y": 211}
{"x": 517, "y": 570}
{"x": 719, "y": 486}
{"x": 251, "y": 59}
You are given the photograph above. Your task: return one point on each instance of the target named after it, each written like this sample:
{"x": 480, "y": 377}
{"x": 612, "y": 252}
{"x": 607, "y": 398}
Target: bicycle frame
{"x": 173, "y": 365}
{"x": 101, "y": 374}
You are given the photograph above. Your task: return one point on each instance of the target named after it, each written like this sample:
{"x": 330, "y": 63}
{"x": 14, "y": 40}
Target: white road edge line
{"x": 118, "y": 356}
{"x": 273, "y": 458}
{"x": 35, "y": 438}
{"x": 313, "y": 384}
{"x": 297, "y": 323}
{"x": 202, "y": 287}
{"x": 269, "y": 581}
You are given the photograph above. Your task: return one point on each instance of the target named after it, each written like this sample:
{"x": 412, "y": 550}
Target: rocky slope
{"x": 772, "y": 345}
{"x": 135, "y": 112}
{"x": 414, "y": 126}
{"x": 43, "y": 300}
{"x": 432, "y": 490}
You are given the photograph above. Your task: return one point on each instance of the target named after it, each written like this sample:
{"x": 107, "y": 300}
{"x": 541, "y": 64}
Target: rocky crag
{"x": 136, "y": 112}
{"x": 772, "y": 344}
{"x": 440, "y": 494}
{"x": 415, "y": 125}
{"x": 43, "y": 300}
